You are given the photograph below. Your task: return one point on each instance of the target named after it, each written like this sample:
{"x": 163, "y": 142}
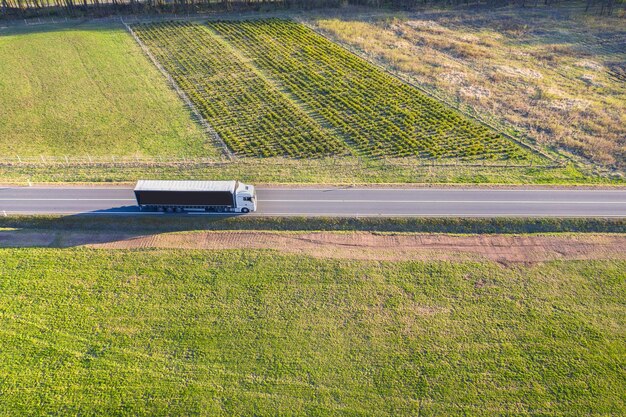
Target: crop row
{"x": 248, "y": 112}
{"x": 379, "y": 114}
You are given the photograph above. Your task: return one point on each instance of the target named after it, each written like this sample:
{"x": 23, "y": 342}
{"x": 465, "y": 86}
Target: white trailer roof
{"x": 158, "y": 185}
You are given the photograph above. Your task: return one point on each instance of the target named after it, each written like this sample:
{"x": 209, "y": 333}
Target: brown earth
{"x": 356, "y": 245}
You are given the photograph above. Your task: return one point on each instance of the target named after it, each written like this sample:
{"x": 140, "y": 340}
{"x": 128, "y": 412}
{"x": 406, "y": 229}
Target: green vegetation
{"x": 237, "y": 81}
{"x": 247, "y": 111}
{"x": 147, "y": 224}
{"x": 162, "y": 332}
{"x": 85, "y": 89}
{"x": 379, "y": 114}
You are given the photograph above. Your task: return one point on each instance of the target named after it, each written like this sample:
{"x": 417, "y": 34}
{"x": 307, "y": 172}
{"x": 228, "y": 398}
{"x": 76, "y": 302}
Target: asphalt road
{"x": 345, "y": 202}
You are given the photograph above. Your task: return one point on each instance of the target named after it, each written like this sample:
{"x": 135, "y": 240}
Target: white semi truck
{"x": 178, "y": 196}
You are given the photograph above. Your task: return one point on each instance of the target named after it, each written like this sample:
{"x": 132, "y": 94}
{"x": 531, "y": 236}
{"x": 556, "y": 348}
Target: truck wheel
{"x": 245, "y": 210}
{"x": 178, "y": 209}
{"x": 160, "y": 209}
{"x": 169, "y": 210}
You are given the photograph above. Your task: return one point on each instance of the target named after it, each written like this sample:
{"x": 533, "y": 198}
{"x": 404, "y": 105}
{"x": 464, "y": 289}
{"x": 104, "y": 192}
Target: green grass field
{"x": 153, "y": 332}
{"x": 88, "y": 90}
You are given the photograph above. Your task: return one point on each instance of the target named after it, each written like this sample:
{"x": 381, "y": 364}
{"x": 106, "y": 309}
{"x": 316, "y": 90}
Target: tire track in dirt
{"x": 355, "y": 245}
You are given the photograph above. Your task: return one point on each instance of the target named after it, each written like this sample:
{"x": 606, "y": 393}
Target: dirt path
{"x": 357, "y": 245}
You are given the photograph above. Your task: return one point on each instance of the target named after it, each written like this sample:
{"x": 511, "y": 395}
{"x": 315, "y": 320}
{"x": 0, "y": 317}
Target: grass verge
{"x": 418, "y": 225}
{"x": 314, "y": 171}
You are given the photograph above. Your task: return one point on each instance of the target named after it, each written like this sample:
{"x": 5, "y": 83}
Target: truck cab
{"x": 246, "y": 198}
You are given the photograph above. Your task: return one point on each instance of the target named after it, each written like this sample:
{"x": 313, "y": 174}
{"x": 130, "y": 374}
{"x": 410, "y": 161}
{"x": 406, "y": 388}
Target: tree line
{"x": 97, "y": 8}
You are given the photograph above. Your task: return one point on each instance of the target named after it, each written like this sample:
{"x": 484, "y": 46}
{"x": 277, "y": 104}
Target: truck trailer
{"x": 178, "y": 196}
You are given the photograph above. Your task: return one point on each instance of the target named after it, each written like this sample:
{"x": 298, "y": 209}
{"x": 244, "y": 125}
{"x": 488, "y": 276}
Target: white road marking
{"x": 351, "y": 215}
{"x": 87, "y": 213}
{"x": 617, "y": 189}
{"x": 349, "y": 201}
{"x": 67, "y": 199}
{"x": 444, "y": 201}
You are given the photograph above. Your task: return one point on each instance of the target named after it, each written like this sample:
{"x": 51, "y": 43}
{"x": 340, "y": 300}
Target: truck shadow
{"x": 135, "y": 211}
{"x": 116, "y": 224}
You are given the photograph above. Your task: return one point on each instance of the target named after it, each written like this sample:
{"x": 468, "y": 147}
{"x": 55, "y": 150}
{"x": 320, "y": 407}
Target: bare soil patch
{"x": 356, "y": 245}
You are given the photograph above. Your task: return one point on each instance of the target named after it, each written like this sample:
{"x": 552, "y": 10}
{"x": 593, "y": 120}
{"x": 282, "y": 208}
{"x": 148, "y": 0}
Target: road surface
{"x": 344, "y": 202}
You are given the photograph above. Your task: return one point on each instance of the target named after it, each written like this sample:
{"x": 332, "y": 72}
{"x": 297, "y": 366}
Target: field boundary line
{"x": 406, "y": 80}
{"x": 208, "y": 129}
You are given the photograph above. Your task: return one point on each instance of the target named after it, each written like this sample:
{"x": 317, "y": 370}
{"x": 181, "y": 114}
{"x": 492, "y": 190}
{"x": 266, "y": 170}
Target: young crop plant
{"x": 252, "y": 117}
{"x": 381, "y": 115}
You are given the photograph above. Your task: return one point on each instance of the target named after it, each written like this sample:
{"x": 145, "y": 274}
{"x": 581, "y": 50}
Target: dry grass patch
{"x": 559, "y": 78}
